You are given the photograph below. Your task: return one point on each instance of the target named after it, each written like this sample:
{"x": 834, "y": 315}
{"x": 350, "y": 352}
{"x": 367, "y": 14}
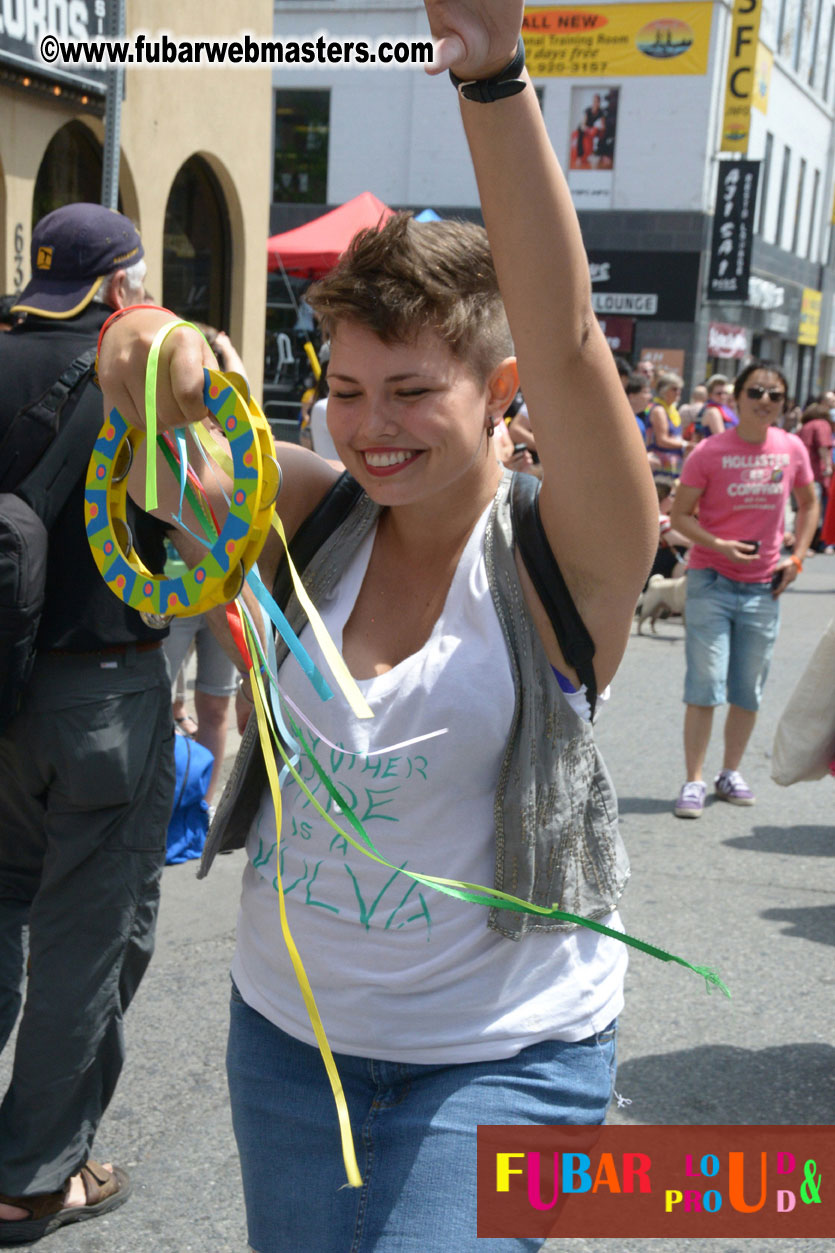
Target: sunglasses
{"x": 757, "y": 393}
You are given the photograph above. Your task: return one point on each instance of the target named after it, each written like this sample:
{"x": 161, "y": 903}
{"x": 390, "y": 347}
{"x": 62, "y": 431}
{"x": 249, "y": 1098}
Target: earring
{"x": 491, "y": 428}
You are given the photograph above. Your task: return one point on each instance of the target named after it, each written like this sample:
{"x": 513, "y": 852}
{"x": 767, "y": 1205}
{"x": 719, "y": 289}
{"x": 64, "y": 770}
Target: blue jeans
{"x": 731, "y": 630}
{"x": 414, "y": 1133}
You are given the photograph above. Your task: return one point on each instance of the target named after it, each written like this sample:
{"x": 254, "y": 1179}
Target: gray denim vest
{"x": 557, "y": 839}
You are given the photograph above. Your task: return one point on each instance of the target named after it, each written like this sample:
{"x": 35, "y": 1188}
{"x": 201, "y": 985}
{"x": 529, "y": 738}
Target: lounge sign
{"x": 661, "y": 285}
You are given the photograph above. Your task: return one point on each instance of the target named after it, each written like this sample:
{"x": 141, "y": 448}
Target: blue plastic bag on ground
{"x": 189, "y": 822}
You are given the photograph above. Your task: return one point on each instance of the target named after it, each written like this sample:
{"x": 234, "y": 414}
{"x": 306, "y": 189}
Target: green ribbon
{"x": 477, "y": 894}
{"x": 193, "y": 498}
{"x": 151, "y": 371}
{"x": 473, "y": 893}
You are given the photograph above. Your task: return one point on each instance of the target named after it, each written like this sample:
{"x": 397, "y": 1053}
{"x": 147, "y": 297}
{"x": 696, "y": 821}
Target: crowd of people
{"x": 440, "y": 1015}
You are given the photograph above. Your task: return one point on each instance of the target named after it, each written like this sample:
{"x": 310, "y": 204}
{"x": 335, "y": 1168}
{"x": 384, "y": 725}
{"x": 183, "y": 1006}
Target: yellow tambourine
{"x": 219, "y": 577}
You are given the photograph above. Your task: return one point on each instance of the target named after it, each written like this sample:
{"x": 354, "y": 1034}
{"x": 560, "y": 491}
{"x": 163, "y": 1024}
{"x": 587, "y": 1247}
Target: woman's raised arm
{"x": 597, "y": 503}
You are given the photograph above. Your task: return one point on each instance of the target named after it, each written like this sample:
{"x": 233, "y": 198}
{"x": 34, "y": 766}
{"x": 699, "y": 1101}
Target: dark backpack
{"x": 48, "y": 452}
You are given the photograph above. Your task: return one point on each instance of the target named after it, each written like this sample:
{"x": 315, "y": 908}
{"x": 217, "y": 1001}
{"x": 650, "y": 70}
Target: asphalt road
{"x": 750, "y": 892}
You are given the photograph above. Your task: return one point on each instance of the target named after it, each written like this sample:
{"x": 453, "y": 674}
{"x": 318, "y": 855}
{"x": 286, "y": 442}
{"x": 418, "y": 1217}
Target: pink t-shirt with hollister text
{"x": 744, "y": 492}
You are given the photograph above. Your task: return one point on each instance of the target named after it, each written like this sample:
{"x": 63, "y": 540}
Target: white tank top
{"x": 401, "y": 972}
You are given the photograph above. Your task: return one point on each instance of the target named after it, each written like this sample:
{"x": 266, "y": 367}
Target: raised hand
{"x": 475, "y": 38}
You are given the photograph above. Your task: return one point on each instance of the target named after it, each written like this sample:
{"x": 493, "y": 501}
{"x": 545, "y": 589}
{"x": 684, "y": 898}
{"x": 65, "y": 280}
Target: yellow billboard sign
{"x": 741, "y": 79}
{"x": 762, "y": 78}
{"x": 617, "y": 40}
{"x": 810, "y": 316}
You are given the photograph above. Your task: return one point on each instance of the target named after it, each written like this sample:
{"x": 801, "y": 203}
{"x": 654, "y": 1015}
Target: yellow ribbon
{"x": 265, "y": 726}
{"x": 151, "y": 406}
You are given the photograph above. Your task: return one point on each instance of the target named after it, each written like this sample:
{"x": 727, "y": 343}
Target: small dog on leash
{"x": 662, "y": 598}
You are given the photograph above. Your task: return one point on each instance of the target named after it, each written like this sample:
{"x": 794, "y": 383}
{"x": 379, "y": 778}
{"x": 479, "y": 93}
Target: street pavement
{"x": 747, "y": 891}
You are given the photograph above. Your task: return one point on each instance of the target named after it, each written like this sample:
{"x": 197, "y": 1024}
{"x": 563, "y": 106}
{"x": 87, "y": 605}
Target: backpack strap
{"x": 35, "y": 424}
{"x": 318, "y": 526}
{"x": 572, "y": 636}
{"x": 47, "y": 487}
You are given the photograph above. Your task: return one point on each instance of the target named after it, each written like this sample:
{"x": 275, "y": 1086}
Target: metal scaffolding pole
{"x": 114, "y": 90}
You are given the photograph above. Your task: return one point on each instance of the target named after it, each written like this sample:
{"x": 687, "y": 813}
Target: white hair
{"x": 134, "y": 279}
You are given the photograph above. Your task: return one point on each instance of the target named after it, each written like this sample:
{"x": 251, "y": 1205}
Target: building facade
{"x": 635, "y": 100}
{"x": 194, "y": 165}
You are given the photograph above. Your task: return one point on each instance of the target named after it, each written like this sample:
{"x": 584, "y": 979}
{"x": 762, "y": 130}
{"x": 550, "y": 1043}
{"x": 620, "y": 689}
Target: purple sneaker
{"x": 730, "y": 786}
{"x": 691, "y": 800}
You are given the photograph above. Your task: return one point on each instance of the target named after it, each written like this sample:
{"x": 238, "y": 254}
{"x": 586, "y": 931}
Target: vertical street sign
{"x": 115, "y": 86}
{"x": 740, "y": 80}
{"x": 733, "y": 231}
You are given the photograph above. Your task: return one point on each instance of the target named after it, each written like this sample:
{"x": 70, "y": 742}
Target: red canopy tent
{"x": 316, "y": 247}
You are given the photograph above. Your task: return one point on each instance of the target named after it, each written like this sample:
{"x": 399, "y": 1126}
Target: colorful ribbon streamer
{"x": 472, "y": 893}
{"x": 342, "y": 675}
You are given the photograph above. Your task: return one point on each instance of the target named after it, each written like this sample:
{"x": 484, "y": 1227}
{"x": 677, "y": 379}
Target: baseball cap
{"x": 73, "y": 249}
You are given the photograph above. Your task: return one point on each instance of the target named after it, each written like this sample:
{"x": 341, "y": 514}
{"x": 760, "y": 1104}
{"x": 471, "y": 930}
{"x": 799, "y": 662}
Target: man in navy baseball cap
{"x": 73, "y": 249}
{"x": 86, "y": 766}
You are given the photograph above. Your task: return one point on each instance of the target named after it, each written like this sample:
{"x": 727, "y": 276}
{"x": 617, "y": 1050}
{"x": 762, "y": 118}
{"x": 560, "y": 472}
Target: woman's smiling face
{"x": 408, "y": 420}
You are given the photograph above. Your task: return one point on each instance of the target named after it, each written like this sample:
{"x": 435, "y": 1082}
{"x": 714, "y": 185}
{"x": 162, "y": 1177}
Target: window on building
{"x": 302, "y": 130}
{"x": 811, "y": 250}
{"x": 804, "y": 47}
{"x": 197, "y": 262}
{"x": 826, "y": 84}
{"x": 798, "y": 210}
{"x": 765, "y": 174}
{"x": 781, "y": 22}
{"x": 70, "y": 171}
{"x": 802, "y": 20}
{"x": 790, "y": 29}
{"x": 814, "y": 55}
{"x": 768, "y": 22}
{"x": 781, "y": 203}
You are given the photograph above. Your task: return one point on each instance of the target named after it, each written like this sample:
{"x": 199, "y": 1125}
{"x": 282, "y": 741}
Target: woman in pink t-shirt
{"x": 731, "y": 505}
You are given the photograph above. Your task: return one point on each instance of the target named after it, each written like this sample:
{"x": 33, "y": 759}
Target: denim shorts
{"x": 731, "y": 629}
{"x": 414, "y": 1133}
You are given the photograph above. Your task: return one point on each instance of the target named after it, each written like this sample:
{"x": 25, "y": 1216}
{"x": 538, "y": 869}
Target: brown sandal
{"x": 104, "y": 1190}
